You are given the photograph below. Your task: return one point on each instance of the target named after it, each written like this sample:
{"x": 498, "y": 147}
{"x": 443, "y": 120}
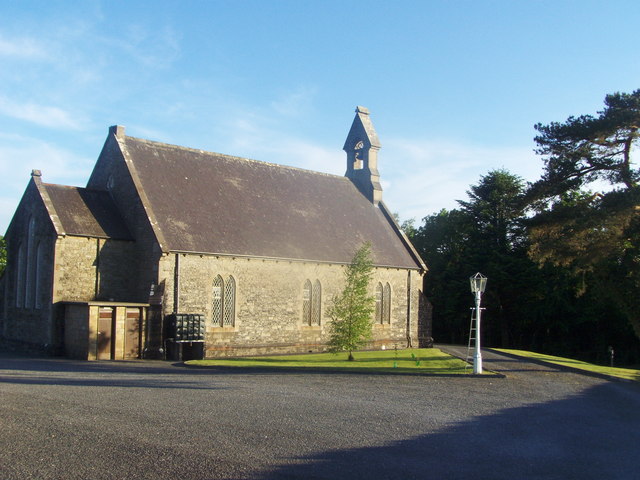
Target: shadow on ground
{"x": 136, "y": 374}
{"x": 50, "y": 365}
{"x": 556, "y": 440}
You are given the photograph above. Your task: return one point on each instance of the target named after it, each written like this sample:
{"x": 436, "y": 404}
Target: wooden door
{"x": 132, "y": 333}
{"x": 106, "y": 324}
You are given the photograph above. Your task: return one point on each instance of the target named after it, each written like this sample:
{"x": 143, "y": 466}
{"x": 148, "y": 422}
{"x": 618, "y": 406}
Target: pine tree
{"x": 351, "y": 311}
{"x": 595, "y": 234}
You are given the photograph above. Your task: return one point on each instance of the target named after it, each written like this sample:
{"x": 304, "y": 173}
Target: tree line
{"x": 562, "y": 253}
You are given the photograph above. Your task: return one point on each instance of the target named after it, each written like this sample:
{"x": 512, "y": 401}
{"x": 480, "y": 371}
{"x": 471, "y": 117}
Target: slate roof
{"x": 86, "y": 212}
{"x": 206, "y": 202}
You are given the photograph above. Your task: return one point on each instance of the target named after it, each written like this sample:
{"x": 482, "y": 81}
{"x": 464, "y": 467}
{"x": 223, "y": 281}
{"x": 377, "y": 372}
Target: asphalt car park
{"x": 63, "y": 419}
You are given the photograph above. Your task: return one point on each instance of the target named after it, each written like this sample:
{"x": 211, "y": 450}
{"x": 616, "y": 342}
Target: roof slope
{"x": 212, "y": 203}
{"x": 86, "y": 212}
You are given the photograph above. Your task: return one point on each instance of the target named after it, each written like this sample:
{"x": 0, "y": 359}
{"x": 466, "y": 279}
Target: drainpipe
{"x": 409, "y": 339}
{"x": 176, "y": 284}
{"x": 96, "y": 288}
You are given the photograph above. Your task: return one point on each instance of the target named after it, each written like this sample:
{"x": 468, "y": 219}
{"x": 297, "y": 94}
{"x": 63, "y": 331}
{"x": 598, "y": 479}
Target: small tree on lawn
{"x": 351, "y": 310}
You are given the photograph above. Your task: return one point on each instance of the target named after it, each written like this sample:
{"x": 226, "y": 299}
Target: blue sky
{"x": 454, "y": 87}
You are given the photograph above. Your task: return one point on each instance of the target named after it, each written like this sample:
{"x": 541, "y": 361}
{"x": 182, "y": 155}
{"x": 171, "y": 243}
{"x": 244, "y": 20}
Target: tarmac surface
{"x": 63, "y": 419}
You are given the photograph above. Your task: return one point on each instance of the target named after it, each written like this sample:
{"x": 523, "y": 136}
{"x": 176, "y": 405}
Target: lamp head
{"x": 478, "y": 283}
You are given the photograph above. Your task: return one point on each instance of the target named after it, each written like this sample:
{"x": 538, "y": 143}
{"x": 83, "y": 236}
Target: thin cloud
{"x": 150, "y": 48}
{"x": 295, "y": 103}
{"x": 421, "y": 178}
{"x": 43, "y": 115}
{"x": 26, "y": 48}
{"x": 301, "y": 153}
{"x": 260, "y": 137}
{"x": 19, "y": 155}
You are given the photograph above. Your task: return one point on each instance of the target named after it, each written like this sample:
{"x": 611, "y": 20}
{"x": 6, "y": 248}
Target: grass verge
{"x": 624, "y": 373}
{"x": 418, "y": 361}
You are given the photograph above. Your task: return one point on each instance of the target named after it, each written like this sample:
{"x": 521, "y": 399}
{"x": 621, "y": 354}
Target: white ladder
{"x": 473, "y": 331}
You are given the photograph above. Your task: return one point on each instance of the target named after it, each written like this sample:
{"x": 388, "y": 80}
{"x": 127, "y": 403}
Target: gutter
{"x": 282, "y": 259}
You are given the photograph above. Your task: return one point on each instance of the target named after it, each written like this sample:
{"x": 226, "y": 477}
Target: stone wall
{"x": 76, "y": 269}
{"x": 27, "y": 310}
{"x": 93, "y": 269}
{"x": 115, "y": 279}
{"x": 76, "y": 332}
{"x": 269, "y": 302}
{"x": 112, "y": 173}
{"x": 44, "y": 269}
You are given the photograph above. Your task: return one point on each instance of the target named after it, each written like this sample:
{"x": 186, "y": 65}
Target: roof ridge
{"x": 233, "y": 157}
{"x": 48, "y": 184}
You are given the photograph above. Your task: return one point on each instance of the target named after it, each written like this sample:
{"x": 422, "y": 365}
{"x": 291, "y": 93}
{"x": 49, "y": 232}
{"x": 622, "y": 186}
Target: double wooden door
{"x": 115, "y": 343}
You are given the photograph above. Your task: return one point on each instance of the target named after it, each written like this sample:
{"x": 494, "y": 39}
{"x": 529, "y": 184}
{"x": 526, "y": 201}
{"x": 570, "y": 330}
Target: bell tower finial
{"x": 362, "y": 147}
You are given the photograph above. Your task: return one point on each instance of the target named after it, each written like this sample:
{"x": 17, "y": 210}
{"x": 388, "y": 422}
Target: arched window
{"x": 216, "y": 316}
{"x": 229, "y": 303}
{"x": 316, "y": 299}
{"x": 20, "y": 278}
{"x": 306, "y": 303}
{"x": 311, "y": 303}
{"x": 386, "y": 304}
{"x": 358, "y": 163}
{"x": 224, "y": 302}
{"x": 38, "y": 274}
{"x": 29, "y": 267}
{"x": 378, "y": 298}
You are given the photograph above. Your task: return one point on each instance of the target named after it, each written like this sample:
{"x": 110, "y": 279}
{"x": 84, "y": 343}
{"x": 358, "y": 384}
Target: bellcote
{"x": 362, "y": 147}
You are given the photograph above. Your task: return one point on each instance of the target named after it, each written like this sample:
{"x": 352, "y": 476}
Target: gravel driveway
{"x": 62, "y": 419}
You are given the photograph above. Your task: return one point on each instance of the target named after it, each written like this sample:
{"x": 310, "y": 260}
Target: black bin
{"x": 185, "y": 335}
{"x": 184, "y": 327}
{"x": 183, "y": 351}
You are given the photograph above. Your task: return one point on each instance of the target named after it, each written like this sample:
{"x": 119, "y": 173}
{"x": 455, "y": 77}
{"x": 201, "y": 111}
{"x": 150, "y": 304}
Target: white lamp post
{"x": 478, "y": 284}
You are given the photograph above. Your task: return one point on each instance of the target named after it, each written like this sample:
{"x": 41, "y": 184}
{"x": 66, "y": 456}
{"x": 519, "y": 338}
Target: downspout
{"x": 409, "y": 339}
{"x": 176, "y": 284}
{"x": 96, "y": 288}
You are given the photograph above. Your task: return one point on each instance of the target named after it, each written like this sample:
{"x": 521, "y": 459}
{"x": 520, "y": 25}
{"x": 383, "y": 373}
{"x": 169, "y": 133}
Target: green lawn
{"x": 625, "y": 373}
{"x": 418, "y": 361}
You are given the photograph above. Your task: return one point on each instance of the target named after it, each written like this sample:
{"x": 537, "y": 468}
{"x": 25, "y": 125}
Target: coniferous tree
{"x": 497, "y": 242}
{"x": 586, "y": 148}
{"x": 528, "y": 305}
{"x": 443, "y": 243}
{"x": 596, "y": 235}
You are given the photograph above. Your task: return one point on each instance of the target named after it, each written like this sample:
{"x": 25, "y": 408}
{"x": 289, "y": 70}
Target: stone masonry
{"x": 269, "y": 302}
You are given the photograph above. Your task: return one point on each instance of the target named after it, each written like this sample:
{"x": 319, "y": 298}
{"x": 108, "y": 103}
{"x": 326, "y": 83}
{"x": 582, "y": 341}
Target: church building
{"x": 169, "y": 247}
